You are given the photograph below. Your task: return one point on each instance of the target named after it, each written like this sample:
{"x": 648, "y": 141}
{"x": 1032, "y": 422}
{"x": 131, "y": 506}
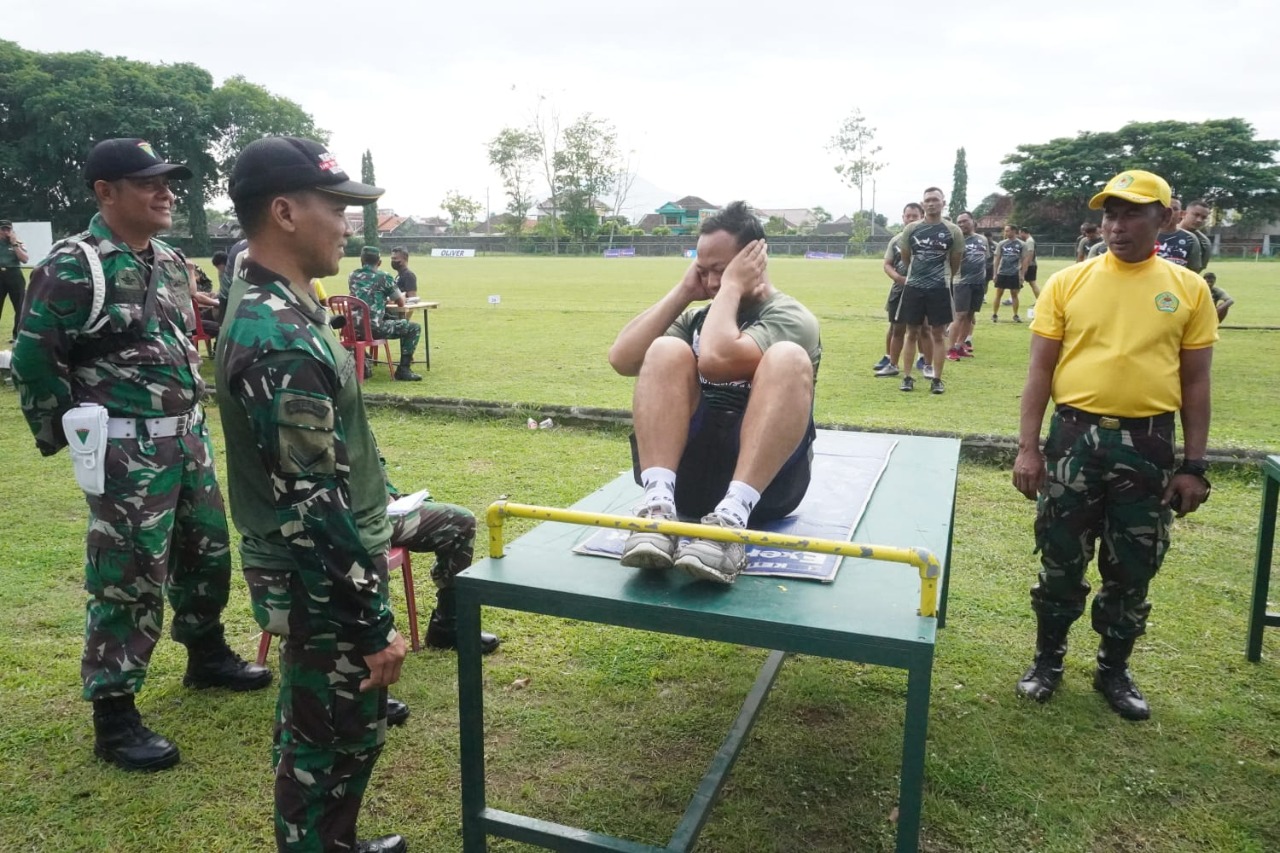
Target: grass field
{"x": 615, "y": 727}
{"x": 546, "y": 342}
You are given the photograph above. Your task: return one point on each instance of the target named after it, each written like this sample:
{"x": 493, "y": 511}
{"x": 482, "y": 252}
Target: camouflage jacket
{"x": 304, "y": 475}
{"x": 376, "y": 288}
{"x": 137, "y": 360}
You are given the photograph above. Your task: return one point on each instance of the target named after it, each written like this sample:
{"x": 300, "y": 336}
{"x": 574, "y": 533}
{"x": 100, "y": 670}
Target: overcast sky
{"x": 720, "y": 100}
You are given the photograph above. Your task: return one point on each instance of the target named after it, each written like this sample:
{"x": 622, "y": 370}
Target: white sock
{"x": 738, "y": 503}
{"x": 659, "y": 486}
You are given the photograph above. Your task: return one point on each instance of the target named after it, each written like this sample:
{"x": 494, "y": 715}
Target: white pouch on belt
{"x": 86, "y": 430}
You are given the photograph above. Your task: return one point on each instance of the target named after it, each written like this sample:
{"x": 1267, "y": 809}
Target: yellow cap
{"x": 1136, "y": 186}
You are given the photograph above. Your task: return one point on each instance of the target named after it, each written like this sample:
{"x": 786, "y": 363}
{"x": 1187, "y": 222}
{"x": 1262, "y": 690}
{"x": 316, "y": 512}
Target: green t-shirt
{"x": 8, "y": 257}
{"x": 932, "y": 248}
{"x": 778, "y": 318}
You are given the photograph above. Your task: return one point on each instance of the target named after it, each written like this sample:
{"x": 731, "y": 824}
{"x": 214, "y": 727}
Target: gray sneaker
{"x": 707, "y": 559}
{"x": 887, "y": 370}
{"x": 927, "y": 370}
{"x": 644, "y": 550}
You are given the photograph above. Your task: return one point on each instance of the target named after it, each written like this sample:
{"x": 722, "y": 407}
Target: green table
{"x": 1259, "y": 618}
{"x": 868, "y": 614}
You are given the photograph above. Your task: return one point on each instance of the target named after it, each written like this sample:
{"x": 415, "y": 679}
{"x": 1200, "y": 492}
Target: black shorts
{"x": 1031, "y": 273}
{"x": 895, "y": 297}
{"x": 919, "y": 303}
{"x": 711, "y": 454}
{"x": 1008, "y": 282}
{"x": 968, "y": 297}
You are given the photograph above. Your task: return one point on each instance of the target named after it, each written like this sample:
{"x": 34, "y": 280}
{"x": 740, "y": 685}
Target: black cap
{"x": 5, "y": 223}
{"x": 282, "y": 164}
{"x": 113, "y": 159}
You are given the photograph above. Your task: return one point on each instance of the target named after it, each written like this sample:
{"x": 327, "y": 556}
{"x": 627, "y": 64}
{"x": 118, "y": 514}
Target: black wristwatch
{"x": 1198, "y": 467}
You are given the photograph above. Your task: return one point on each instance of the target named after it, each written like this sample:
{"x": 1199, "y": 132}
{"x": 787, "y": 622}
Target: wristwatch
{"x": 1198, "y": 467}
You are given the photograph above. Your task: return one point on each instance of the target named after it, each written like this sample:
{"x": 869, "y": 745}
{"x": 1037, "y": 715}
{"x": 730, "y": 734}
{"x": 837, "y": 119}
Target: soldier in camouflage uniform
{"x": 159, "y": 527}
{"x": 377, "y": 288}
{"x": 12, "y": 284}
{"x": 309, "y": 496}
{"x": 1107, "y": 480}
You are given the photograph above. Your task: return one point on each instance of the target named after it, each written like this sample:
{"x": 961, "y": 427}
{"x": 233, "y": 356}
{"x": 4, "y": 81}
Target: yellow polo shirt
{"x": 1122, "y": 328}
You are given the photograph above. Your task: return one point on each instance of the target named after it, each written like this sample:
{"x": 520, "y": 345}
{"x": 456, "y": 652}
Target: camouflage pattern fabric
{"x": 447, "y": 530}
{"x": 1104, "y": 488}
{"x": 160, "y": 524}
{"x": 377, "y": 288}
{"x": 309, "y": 497}
{"x": 328, "y": 735}
{"x": 139, "y": 363}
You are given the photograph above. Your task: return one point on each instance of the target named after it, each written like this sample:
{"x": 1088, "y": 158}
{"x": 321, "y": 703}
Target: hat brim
{"x": 1100, "y": 199}
{"x": 352, "y": 190}
{"x": 173, "y": 170}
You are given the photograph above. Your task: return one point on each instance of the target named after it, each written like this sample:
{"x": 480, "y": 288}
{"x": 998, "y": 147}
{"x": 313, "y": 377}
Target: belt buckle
{"x": 183, "y": 426}
{"x": 1107, "y": 422}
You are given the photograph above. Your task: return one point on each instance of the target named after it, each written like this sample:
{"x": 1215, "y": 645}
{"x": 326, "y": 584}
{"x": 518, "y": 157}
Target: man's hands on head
{"x": 745, "y": 273}
{"x": 384, "y": 666}
{"x": 694, "y": 284}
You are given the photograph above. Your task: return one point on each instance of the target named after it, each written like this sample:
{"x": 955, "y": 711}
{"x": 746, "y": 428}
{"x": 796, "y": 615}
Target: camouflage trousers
{"x": 159, "y": 528}
{"x": 328, "y": 735}
{"x": 405, "y": 331}
{"x": 447, "y": 530}
{"x": 1103, "y": 493}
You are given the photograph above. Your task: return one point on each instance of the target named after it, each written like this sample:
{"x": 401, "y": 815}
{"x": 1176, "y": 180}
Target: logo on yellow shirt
{"x": 1167, "y": 302}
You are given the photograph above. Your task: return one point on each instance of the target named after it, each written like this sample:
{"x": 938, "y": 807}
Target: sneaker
{"x": 644, "y": 550}
{"x": 1007, "y": 301}
{"x": 707, "y": 559}
{"x": 882, "y": 363}
{"x": 995, "y": 318}
{"x": 927, "y": 370}
{"x": 908, "y": 384}
{"x": 920, "y": 363}
{"x": 936, "y": 387}
{"x": 953, "y": 354}
{"x": 1017, "y": 319}
{"x": 887, "y": 370}
{"x": 966, "y": 351}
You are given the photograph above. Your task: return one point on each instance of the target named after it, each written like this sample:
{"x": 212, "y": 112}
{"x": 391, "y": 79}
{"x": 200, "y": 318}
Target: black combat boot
{"x": 385, "y": 844}
{"x": 442, "y": 630}
{"x": 120, "y": 737}
{"x": 1114, "y": 681}
{"x": 404, "y": 373}
{"x": 211, "y": 663}
{"x": 1042, "y": 679}
{"x": 397, "y": 712}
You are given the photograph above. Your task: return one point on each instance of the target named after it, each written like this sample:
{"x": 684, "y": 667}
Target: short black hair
{"x": 937, "y": 190}
{"x": 252, "y": 212}
{"x": 1199, "y": 203}
{"x": 1211, "y": 277}
{"x": 219, "y": 257}
{"x": 369, "y": 255}
{"x": 965, "y": 213}
{"x": 917, "y": 205}
{"x": 400, "y": 250}
{"x": 737, "y": 219}
{"x": 1090, "y": 227}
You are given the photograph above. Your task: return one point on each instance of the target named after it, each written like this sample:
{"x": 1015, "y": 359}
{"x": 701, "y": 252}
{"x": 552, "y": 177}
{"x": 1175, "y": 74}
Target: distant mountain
{"x": 645, "y": 197}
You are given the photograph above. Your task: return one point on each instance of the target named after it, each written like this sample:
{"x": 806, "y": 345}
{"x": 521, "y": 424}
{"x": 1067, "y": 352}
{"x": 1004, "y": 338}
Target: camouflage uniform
{"x": 160, "y": 526}
{"x": 309, "y": 495}
{"x": 12, "y": 283}
{"x": 376, "y": 288}
{"x": 1104, "y": 486}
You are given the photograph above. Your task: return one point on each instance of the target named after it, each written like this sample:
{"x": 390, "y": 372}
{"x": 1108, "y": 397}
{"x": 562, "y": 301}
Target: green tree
{"x": 515, "y": 154}
{"x": 462, "y": 211}
{"x": 820, "y": 214}
{"x": 370, "y": 210}
{"x": 661, "y": 231}
{"x": 242, "y": 112}
{"x": 1220, "y": 160}
{"x": 959, "y": 185}
{"x": 987, "y": 205}
{"x": 586, "y": 168}
{"x": 776, "y": 226}
{"x": 854, "y": 145}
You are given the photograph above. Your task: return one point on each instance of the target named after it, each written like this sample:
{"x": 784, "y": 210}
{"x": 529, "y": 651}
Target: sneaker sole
{"x": 694, "y": 568}
{"x": 646, "y": 555}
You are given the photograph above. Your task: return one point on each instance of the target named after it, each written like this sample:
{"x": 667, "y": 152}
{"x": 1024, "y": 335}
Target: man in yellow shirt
{"x": 1120, "y": 342}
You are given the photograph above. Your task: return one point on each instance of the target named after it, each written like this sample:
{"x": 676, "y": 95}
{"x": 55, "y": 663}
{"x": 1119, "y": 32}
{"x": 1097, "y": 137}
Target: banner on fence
{"x": 627, "y": 252}
{"x": 691, "y": 253}
{"x": 824, "y": 256}
{"x": 453, "y": 253}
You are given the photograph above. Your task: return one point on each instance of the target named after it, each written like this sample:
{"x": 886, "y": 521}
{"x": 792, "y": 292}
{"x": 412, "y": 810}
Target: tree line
{"x": 55, "y": 106}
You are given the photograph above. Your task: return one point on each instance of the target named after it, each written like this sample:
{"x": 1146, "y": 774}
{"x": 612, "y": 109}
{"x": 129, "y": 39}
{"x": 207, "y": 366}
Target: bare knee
{"x": 785, "y": 362}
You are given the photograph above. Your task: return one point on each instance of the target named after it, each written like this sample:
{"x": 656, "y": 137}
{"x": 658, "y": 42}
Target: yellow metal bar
{"x": 922, "y": 558}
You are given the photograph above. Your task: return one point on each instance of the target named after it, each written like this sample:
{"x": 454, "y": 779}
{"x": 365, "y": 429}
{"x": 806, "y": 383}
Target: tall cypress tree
{"x": 370, "y": 210}
{"x": 959, "y": 185}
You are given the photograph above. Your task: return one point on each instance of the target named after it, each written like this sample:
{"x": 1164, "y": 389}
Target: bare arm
{"x": 1028, "y": 468}
{"x": 19, "y": 250}
{"x": 1194, "y": 372}
{"x": 629, "y": 348}
{"x": 726, "y": 354}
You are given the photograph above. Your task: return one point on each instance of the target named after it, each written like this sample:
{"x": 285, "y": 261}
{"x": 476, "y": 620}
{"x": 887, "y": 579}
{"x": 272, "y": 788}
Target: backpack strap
{"x": 96, "y": 319}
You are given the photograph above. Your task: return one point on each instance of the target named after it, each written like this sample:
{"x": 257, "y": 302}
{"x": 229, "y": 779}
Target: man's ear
{"x": 283, "y": 212}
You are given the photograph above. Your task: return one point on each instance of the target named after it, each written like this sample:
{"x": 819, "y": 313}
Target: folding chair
{"x": 397, "y": 558}
{"x": 201, "y": 334}
{"x": 357, "y": 334}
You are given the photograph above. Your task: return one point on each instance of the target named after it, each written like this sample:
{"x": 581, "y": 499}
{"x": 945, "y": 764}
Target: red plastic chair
{"x": 201, "y": 334}
{"x": 397, "y": 558}
{"x": 357, "y": 334}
